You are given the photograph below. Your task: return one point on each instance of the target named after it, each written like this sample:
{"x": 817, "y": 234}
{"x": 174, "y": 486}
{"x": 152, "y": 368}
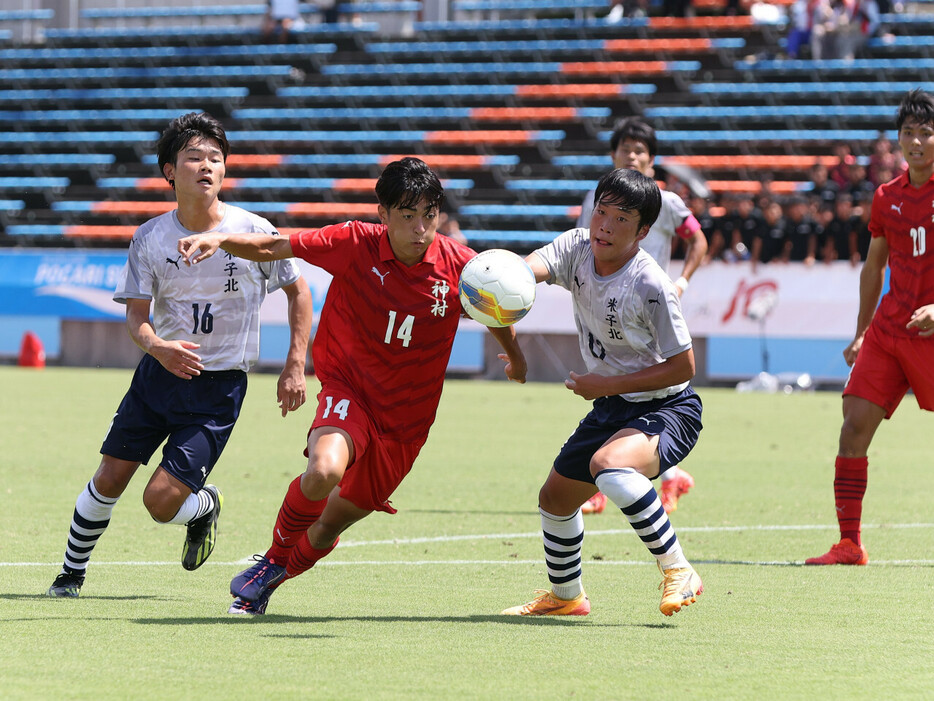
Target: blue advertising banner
{"x": 62, "y": 283}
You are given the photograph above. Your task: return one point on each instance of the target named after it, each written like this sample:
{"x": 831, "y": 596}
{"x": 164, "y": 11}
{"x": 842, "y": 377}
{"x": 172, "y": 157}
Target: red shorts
{"x": 379, "y": 465}
{"x": 887, "y": 366}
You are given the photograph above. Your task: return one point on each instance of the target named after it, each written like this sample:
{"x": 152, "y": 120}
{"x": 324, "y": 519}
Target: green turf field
{"x": 407, "y": 606}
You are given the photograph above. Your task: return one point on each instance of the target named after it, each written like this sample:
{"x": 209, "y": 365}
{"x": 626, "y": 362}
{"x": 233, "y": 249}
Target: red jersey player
{"x": 894, "y": 345}
{"x": 380, "y": 352}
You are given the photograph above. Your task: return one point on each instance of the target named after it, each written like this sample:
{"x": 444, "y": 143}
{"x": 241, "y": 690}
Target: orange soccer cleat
{"x": 681, "y": 586}
{"x": 547, "y": 604}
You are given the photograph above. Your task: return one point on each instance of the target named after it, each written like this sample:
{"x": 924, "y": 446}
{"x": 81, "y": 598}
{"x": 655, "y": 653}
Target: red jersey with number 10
{"x": 386, "y": 330}
{"x": 904, "y": 215}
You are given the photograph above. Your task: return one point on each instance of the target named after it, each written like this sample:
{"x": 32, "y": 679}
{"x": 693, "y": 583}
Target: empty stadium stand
{"x": 511, "y": 101}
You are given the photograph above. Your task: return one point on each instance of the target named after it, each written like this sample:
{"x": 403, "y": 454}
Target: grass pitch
{"x": 407, "y": 606}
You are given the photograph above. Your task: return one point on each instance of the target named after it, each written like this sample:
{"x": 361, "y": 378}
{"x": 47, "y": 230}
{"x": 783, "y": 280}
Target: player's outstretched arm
{"x": 516, "y": 366}
{"x": 258, "y": 247}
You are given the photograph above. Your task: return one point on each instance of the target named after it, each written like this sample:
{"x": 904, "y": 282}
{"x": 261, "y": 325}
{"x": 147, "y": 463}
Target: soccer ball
{"x": 497, "y": 288}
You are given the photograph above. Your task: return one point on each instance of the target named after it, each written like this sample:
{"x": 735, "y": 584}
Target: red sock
{"x": 849, "y": 486}
{"x": 296, "y": 514}
{"x": 304, "y": 556}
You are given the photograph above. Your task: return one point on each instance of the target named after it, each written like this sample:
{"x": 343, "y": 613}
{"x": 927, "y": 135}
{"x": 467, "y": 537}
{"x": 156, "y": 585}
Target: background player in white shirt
{"x": 633, "y": 145}
{"x": 204, "y": 335}
{"x": 645, "y": 418}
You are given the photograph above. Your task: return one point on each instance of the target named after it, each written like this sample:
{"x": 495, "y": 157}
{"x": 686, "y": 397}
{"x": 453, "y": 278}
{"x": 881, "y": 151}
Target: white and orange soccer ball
{"x": 497, "y": 288}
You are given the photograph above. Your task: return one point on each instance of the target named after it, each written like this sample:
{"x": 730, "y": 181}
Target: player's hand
{"x": 515, "y": 369}
{"x": 291, "y": 390}
{"x": 588, "y": 386}
{"x": 178, "y": 357}
{"x": 198, "y": 247}
{"x": 922, "y": 319}
{"x": 851, "y": 351}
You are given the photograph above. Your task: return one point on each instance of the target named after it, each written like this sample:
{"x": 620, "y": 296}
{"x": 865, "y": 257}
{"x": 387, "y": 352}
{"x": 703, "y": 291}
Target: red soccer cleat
{"x": 675, "y": 488}
{"x": 595, "y": 505}
{"x": 846, "y": 552}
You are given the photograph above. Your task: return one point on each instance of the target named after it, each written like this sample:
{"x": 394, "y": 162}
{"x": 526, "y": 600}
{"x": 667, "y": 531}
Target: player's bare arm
{"x": 265, "y": 247}
{"x": 672, "y": 371}
{"x": 291, "y": 390}
{"x": 516, "y": 365}
{"x": 871, "y": 280}
{"x": 178, "y": 357}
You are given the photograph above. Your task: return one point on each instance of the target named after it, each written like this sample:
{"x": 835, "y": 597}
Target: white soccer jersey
{"x": 627, "y": 321}
{"x": 658, "y": 241}
{"x": 214, "y": 303}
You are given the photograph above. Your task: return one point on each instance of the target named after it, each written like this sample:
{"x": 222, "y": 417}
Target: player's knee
{"x": 158, "y": 508}
{"x": 319, "y": 480}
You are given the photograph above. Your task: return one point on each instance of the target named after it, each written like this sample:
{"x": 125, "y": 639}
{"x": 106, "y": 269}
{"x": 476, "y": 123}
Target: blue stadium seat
{"x": 56, "y": 159}
{"x": 84, "y": 137}
{"x": 116, "y": 95}
{"x": 369, "y": 7}
{"x": 578, "y": 186}
{"x": 23, "y": 182}
{"x": 98, "y": 75}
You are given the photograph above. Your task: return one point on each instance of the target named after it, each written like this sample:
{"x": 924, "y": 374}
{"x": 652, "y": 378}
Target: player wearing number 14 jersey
{"x": 893, "y": 350}
{"x": 380, "y": 352}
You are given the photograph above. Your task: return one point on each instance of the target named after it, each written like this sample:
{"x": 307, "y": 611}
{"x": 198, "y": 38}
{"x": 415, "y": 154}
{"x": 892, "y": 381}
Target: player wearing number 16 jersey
{"x": 893, "y": 350}
{"x": 203, "y": 337}
{"x": 381, "y": 351}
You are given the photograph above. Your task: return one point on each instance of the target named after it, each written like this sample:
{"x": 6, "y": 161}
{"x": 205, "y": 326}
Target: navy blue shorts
{"x": 196, "y": 416}
{"x": 676, "y": 420}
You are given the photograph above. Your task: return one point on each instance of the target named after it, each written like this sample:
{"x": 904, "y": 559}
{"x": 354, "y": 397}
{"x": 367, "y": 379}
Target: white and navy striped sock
{"x": 196, "y": 505}
{"x": 563, "y": 537}
{"x": 633, "y": 493}
{"x": 88, "y": 523}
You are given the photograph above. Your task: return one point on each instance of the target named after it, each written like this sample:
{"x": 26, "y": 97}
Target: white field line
{"x": 516, "y": 536}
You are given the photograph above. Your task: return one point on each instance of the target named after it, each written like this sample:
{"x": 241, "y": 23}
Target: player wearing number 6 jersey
{"x": 893, "y": 350}
{"x": 380, "y": 352}
{"x": 203, "y": 337}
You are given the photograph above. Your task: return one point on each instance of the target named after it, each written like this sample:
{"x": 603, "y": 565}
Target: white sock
{"x": 197, "y": 504}
{"x": 634, "y": 494}
{"x": 563, "y": 537}
{"x": 669, "y": 474}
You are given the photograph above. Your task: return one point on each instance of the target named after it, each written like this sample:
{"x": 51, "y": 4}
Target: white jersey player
{"x": 633, "y": 145}
{"x": 645, "y": 417}
{"x": 189, "y": 386}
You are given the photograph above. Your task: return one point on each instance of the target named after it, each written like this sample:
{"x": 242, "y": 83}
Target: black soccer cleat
{"x": 66, "y": 586}
{"x": 202, "y": 534}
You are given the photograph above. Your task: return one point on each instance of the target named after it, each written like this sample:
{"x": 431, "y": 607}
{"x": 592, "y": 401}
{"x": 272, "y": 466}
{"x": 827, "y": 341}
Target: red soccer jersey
{"x": 904, "y": 215}
{"x": 386, "y": 330}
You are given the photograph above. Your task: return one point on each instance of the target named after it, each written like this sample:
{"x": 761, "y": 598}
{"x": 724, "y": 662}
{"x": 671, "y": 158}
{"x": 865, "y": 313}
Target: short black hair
{"x": 182, "y": 130}
{"x": 918, "y": 106}
{"x": 406, "y": 181}
{"x": 634, "y": 129}
{"x": 631, "y": 190}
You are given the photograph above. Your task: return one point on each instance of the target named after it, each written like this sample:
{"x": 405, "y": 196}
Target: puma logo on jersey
{"x": 381, "y": 276}
{"x": 898, "y": 208}
{"x": 173, "y": 262}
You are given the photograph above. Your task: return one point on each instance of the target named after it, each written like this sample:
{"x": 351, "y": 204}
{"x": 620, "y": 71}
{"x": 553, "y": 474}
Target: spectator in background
{"x": 863, "y": 24}
{"x": 802, "y": 23}
{"x": 823, "y": 188}
{"x": 839, "y": 171}
{"x": 840, "y": 233}
{"x": 802, "y": 231}
{"x": 857, "y": 184}
{"x": 281, "y": 17}
{"x": 829, "y": 32}
{"x": 862, "y": 208}
{"x": 772, "y": 242}
{"x": 884, "y": 161}
{"x": 749, "y": 224}
{"x": 726, "y": 236}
